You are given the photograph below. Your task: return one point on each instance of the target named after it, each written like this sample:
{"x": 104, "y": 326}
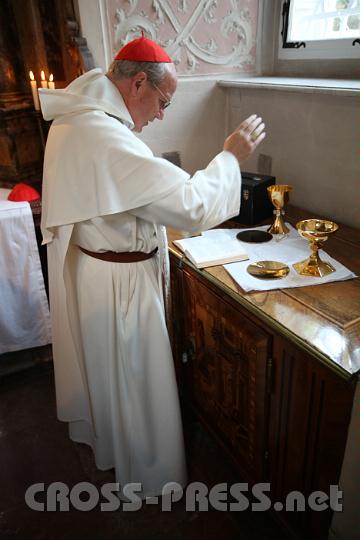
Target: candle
{"x": 43, "y": 80}
{"x": 51, "y": 83}
{"x": 34, "y": 91}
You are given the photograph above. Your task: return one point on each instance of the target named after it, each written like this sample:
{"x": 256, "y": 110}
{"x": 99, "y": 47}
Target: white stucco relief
{"x": 213, "y": 32}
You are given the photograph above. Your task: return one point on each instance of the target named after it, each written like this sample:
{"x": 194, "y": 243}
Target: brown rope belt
{"x": 121, "y": 257}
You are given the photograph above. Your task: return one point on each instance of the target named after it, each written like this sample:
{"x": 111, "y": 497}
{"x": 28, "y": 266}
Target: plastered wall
{"x": 201, "y": 36}
{"x": 194, "y": 125}
{"x": 313, "y": 143}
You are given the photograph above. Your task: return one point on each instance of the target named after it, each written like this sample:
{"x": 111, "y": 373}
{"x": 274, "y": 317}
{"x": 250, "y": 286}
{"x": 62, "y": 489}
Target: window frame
{"x": 327, "y": 49}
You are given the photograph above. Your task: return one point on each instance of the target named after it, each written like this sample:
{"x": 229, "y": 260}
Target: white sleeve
{"x": 203, "y": 201}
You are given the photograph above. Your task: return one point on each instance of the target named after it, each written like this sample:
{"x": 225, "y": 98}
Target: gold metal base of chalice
{"x": 316, "y": 231}
{"x": 279, "y": 196}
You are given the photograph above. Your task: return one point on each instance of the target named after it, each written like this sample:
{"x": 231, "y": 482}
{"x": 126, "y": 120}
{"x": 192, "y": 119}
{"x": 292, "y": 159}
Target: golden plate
{"x": 268, "y": 270}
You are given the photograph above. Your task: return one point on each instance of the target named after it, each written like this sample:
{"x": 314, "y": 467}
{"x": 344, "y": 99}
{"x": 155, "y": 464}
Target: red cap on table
{"x": 23, "y": 192}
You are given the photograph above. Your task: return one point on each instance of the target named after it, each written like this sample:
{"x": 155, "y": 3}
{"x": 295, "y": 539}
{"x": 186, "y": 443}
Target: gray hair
{"x": 125, "y": 69}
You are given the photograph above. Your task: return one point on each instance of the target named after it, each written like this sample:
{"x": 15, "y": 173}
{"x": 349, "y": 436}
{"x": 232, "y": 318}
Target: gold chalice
{"x": 316, "y": 231}
{"x": 279, "y": 196}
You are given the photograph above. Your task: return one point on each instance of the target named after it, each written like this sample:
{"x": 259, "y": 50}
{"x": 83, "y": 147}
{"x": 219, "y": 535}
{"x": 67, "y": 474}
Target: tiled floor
{"x": 34, "y": 448}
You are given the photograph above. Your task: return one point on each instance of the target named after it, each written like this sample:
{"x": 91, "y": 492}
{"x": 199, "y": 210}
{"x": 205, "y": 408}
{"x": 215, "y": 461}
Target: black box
{"x": 255, "y": 203}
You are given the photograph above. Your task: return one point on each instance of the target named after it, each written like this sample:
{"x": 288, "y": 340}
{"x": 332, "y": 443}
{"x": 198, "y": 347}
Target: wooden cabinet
{"x": 226, "y": 361}
{"x": 310, "y": 409}
{"x": 279, "y": 413}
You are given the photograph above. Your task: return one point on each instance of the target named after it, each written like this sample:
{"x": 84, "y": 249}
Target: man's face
{"x": 147, "y": 102}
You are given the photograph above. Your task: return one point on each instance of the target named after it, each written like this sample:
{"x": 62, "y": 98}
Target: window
{"x": 319, "y": 29}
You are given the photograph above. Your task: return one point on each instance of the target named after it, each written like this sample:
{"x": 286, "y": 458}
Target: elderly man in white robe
{"x": 106, "y": 200}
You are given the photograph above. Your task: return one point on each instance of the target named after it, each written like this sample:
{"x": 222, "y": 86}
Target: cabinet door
{"x": 225, "y": 373}
{"x": 310, "y": 412}
{"x": 175, "y": 319}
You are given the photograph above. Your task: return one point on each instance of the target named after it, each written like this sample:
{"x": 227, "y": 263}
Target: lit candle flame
{"x": 51, "y": 78}
{"x": 42, "y": 76}
{"x": 32, "y": 78}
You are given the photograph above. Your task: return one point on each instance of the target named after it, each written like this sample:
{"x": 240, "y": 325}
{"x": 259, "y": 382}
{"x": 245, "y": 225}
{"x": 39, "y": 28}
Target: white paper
{"x": 288, "y": 249}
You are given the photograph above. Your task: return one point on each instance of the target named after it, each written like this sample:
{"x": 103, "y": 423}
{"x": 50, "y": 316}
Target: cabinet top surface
{"x": 323, "y": 319}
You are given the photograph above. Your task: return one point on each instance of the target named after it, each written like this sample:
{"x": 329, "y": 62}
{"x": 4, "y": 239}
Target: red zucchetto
{"x": 143, "y": 50}
{"x": 23, "y": 192}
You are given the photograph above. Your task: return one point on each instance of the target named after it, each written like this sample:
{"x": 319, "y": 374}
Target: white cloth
{"x": 288, "y": 249}
{"x": 104, "y": 190}
{"x": 24, "y": 310}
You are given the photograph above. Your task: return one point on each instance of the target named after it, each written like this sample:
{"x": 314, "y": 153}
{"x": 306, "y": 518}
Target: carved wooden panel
{"x": 35, "y": 35}
{"x": 50, "y": 39}
{"x": 20, "y": 148}
{"x": 310, "y": 412}
{"x": 225, "y": 373}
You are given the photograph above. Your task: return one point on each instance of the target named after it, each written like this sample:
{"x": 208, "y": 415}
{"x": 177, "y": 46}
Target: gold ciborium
{"x": 279, "y": 196}
{"x": 316, "y": 231}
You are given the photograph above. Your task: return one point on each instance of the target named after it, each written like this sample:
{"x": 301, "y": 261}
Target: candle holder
{"x": 279, "y": 196}
{"x": 316, "y": 231}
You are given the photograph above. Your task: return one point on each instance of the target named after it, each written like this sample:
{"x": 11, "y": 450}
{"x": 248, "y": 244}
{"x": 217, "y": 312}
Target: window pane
{"x": 323, "y": 19}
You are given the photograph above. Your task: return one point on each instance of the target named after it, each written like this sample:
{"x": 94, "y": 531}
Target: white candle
{"x": 43, "y": 80}
{"x": 34, "y": 91}
{"x": 51, "y": 83}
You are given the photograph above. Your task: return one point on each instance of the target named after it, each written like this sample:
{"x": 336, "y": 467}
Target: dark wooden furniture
{"x": 271, "y": 375}
{"x": 34, "y": 35}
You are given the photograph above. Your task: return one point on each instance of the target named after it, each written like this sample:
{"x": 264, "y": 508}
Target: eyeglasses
{"x": 166, "y": 102}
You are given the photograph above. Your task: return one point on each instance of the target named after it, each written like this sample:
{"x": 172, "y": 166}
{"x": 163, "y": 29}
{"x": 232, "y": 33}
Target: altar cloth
{"x": 24, "y": 309}
{"x": 288, "y": 249}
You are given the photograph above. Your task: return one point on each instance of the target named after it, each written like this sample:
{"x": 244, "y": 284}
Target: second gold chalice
{"x": 279, "y": 196}
{"x": 316, "y": 231}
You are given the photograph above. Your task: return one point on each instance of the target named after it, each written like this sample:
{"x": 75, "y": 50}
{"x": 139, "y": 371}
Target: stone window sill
{"x": 341, "y": 87}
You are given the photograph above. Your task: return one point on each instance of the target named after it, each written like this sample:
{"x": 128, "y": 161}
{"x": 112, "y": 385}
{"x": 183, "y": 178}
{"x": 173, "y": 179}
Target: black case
{"x": 255, "y": 203}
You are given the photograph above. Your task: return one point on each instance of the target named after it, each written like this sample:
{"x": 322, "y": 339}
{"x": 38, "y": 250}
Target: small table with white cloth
{"x": 24, "y": 310}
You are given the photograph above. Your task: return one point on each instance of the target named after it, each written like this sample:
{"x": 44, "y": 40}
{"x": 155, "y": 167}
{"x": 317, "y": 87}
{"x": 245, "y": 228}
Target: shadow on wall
{"x": 194, "y": 124}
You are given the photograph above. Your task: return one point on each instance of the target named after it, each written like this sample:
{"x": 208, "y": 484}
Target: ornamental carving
{"x": 202, "y": 37}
